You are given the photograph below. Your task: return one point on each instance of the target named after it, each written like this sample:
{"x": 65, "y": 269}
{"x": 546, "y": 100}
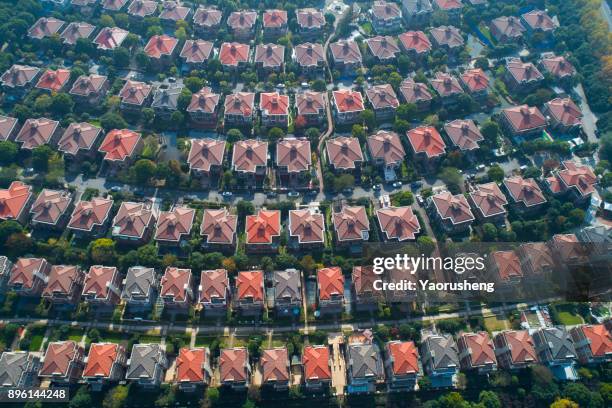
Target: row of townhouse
{"x": 399, "y": 365}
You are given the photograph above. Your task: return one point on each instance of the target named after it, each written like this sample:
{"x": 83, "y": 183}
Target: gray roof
{"x": 138, "y": 282}
{"x": 5, "y": 265}
{"x": 144, "y": 360}
{"x": 287, "y": 284}
{"x": 167, "y": 98}
{"x": 596, "y": 235}
{"x": 443, "y": 351}
{"x": 12, "y": 367}
{"x": 417, "y": 6}
{"x": 558, "y": 342}
{"x": 365, "y": 360}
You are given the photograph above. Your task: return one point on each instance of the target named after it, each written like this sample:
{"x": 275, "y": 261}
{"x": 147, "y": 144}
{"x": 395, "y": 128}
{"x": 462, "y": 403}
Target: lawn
{"x": 113, "y": 337}
{"x": 36, "y": 342}
{"x": 149, "y": 339}
{"x": 569, "y": 319}
{"x": 494, "y": 323}
{"x": 367, "y": 28}
{"x": 206, "y": 341}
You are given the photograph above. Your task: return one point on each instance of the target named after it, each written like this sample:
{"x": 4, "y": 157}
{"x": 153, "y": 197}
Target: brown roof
{"x": 86, "y": 85}
{"x": 383, "y": 47}
{"x": 351, "y": 223}
{"x": 446, "y": 84}
{"x": 213, "y": 284}
{"x": 14, "y": 199}
{"x": 250, "y": 284}
{"x": 101, "y": 360}
{"x": 45, "y": 27}
{"x": 263, "y": 227}
{"x": 7, "y": 126}
{"x": 53, "y": 80}
{"x": 174, "y": 11}
{"x": 539, "y": 20}
{"x": 524, "y": 118}
{"x": 447, "y": 35}
{"x": 196, "y": 51}
{"x": 346, "y": 51}
{"x": 19, "y": 75}
{"x": 510, "y": 27}
{"x": 398, "y": 223}
{"x": 88, "y": 214}
{"x": 508, "y": 264}
{"x": 538, "y": 256}
{"x": 489, "y": 199}
{"x": 274, "y": 18}
{"x": 240, "y": 103}
{"x": 453, "y": 207}
{"x": 316, "y": 362}
{"x": 310, "y": 18}
{"x": 386, "y": 146}
{"x": 58, "y": 357}
{"x": 204, "y": 101}
{"x": 113, "y": 5}
{"x": 523, "y": 72}
{"x": 205, "y": 153}
{"x": 347, "y": 100}
{"x": 415, "y": 91}
{"x": 219, "y": 226}
{"x": 271, "y": 103}
{"x": 558, "y": 66}
{"x": 62, "y": 280}
{"x": 75, "y": 31}
{"x": 464, "y": 134}
{"x": 78, "y": 136}
{"x": 331, "y": 282}
{"x": 344, "y": 152}
{"x": 132, "y": 220}
{"x": 415, "y": 40}
{"x": 382, "y": 96}
{"x": 249, "y": 154}
{"x": 233, "y": 364}
{"x": 523, "y": 190}
{"x": 173, "y": 224}
{"x": 110, "y": 38}
{"x": 309, "y": 54}
{"x": 581, "y": 177}
{"x": 426, "y": 139}
{"x": 310, "y": 103}
{"x": 232, "y": 54}
{"x": 242, "y": 19}
{"x": 23, "y": 270}
{"x": 160, "y": 45}
{"x": 275, "y": 365}
{"x": 119, "y": 144}
{"x": 404, "y": 357}
{"x": 142, "y": 8}
{"x": 480, "y": 348}
{"x": 98, "y": 280}
{"x": 448, "y": 4}
{"x": 519, "y": 344}
{"x": 307, "y": 226}
{"x": 383, "y": 10}
{"x": 175, "y": 283}
{"x": 50, "y": 206}
{"x": 565, "y": 111}
{"x": 207, "y": 17}
{"x": 363, "y": 281}
{"x": 294, "y": 154}
{"x": 270, "y": 55}
{"x": 36, "y": 132}
{"x": 134, "y": 92}
{"x": 475, "y": 80}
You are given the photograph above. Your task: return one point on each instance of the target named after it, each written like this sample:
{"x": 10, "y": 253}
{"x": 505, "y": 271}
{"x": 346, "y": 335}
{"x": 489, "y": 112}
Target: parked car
{"x": 420, "y": 200}
{"x": 377, "y": 187}
{"x": 271, "y": 194}
{"x": 227, "y": 195}
{"x": 397, "y": 184}
{"x": 293, "y": 194}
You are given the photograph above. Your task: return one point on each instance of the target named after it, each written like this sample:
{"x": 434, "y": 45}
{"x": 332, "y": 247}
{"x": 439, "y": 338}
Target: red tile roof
{"x": 75, "y": 31}
{"x": 62, "y": 280}
{"x": 523, "y": 190}
{"x": 565, "y": 111}
{"x": 509, "y": 27}
{"x": 449, "y": 4}
{"x": 175, "y": 283}
{"x": 189, "y": 365}
{"x": 53, "y": 80}
{"x": 13, "y": 200}
{"x": 310, "y": 18}
{"x": 205, "y": 153}
{"x": 294, "y": 154}
{"x": 263, "y": 227}
{"x": 174, "y": 11}
{"x": 414, "y": 92}
{"x": 275, "y": 365}
{"x": 309, "y": 54}
{"x": 132, "y": 220}
{"x": 19, "y": 75}
{"x": 135, "y": 93}
{"x": 213, "y": 284}
{"x": 508, "y": 265}
{"x": 273, "y": 104}
{"x": 383, "y": 10}
{"x": 331, "y": 282}
{"x": 219, "y": 226}
{"x": 600, "y": 339}
{"x": 113, "y": 5}
{"x": 382, "y": 96}
{"x": 307, "y": 226}
{"x": 524, "y": 118}
{"x": 274, "y": 18}
{"x": 58, "y": 357}
{"x": 242, "y": 20}
{"x": 426, "y": 139}
{"x": 102, "y": 357}
{"x": 348, "y": 101}
{"x": 315, "y": 360}
{"x": 233, "y": 364}
{"x": 36, "y": 132}
{"x": 523, "y": 72}
{"x": 447, "y": 36}
{"x": 26, "y": 270}
{"x": 98, "y": 280}
{"x": 581, "y": 177}
{"x": 207, "y": 17}
{"x": 398, "y": 223}
{"x": 119, "y": 145}
{"x": 142, "y": 8}
{"x": 7, "y": 127}
{"x": 539, "y": 20}
{"x": 196, "y": 51}
{"x": 475, "y": 80}
{"x": 404, "y": 356}
{"x": 310, "y": 103}
{"x": 520, "y": 345}
{"x": 110, "y": 38}
{"x": 537, "y": 256}
{"x": 88, "y": 214}
{"x": 270, "y": 55}
{"x": 249, "y": 154}
{"x": 173, "y": 224}
{"x": 558, "y": 66}
{"x": 480, "y": 348}
{"x": 464, "y": 134}
{"x": 386, "y": 146}
{"x": 250, "y": 284}
{"x": 45, "y": 27}
{"x": 50, "y": 206}
{"x": 205, "y": 100}
{"x": 344, "y": 152}
{"x": 346, "y": 51}
{"x": 78, "y": 136}
{"x": 240, "y": 103}
{"x": 383, "y": 47}
{"x": 363, "y": 278}
{"x": 446, "y": 84}
{"x": 160, "y": 45}
{"x": 489, "y": 199}
{"x": 86, "y": 85}
{"x": 416, "y": 41}
{"x": 453, "y": 207}
{"x": 351, "y": 223}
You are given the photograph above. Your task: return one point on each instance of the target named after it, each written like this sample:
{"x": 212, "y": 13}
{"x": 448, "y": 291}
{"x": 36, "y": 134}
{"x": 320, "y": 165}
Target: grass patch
{"x": 494, "y": 323}
{"x": 36, "y": 342}
{"x": 149, "y": 339}
{"x": 367, "y": 28}
{"x": 569, "y": 319}
{"x": 113, "y": 337}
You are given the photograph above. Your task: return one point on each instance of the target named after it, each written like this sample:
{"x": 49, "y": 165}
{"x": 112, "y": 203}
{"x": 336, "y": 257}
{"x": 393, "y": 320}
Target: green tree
{"x": 452, "y": 178}
{"x": 275, "y": 133}
{"x": 8, "y": 228}
{"x": 121, "y": 57}
{"x": 8, "y": 152}
{"x": 407, "y": 111}
{"x": 245, "y": 208}
{"x": 144, "y": 170}
{"x": 111, "y": 120}
{"x": 489, "y": 232}
{"x": 102, "y": 251}
{"x": 318, "y": 85}
{"x": 116, "y": 397}
{"x": 234, "y": 135}
{"x": 489, "y": 399}
{"x": 368, "y": 118}
{"x": 402, "y": 199}
{"x": 490, "y": 131}
{"x": 61, "y": 104}
{"x": 426, "y": 244}
{"x": 344, "y": 181}
{"x": 496, "y": 173}
{"x": 40, "y": 157}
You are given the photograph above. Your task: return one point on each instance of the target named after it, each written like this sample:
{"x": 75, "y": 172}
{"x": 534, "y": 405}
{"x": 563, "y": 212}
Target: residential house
{"x": 139, "y": 288}
{"x": 274, "y": 109}
{"x": 113, "y": 5}
{"x": 386, "y": 151}
{"x": 218, "y": 230}
{"x": 348, "y": 105}
{"x": 165, "y": 101}
{"x": 311, "y": 107}
{"x": 448, "y": 38}
{"x": 490, "y": 202}
{"x": 475, "y": 82}
{"x": 173, "y": 12}
{"x": 383, "y": 48}
{"x": 538, "y": 21}
{"x": 398, "y": 223}
{"x": 45, "y": 27}
{"x": 593, "y": 343}
{"x": 522, "y": 121}
{"x": 250, "y": 160}
{"x": 514, "y": 349}
{"x": 310, "y": 22}
{"x": 330, "y": 290}
{"x": 206, "y": 158}
{"x": 102, "y": 286}
{"x": 558, "y": 66}
{"x": 5, "y": 272}
{"x": 464, "y": 134}
{"x": 417, "y": 12}
{"x": 306, "y": 229}
{"x": 346, "y": 56}
{"x": 64, "y": 285}
{"x": 564, "y": 115}
{"x": 176, "y": 288}
{"x": 105, "y": 363}
{"x": 37, "y": 132}
{"x": 18, "y": 79}
{"x": 448, "y": 87}
{"x": 214, "y": 292}
{"x": 386, "y": 17}
{"x": 440, "y": 359}
{"x": 120, "y": 147}
{"x": 75, "y": 31}
{"x": 8, "y": 128}
{"x": 193, "y": 368}
{"x": 415, "y": 43}
{"x": 505, "y": 268}
{"x": 567, "y": 250}
{"x": 54, "y": 80}
{"x": 352, "y": 227}
{"x": 536, "y": 261}
{"x": 427, "y": 145}
{"x": 234, "y": 368}
{"x": 555, "y": 348}
{"x": 62, "y": 362}
{"x": 242, "y": 24}
{"x": 579, "y": 179}
{"x": 51, "y": 209}
{"x": 452, "y": 212}
{"x": 344, "y": 153}
{"x": 204, "y": 108}
{"x": 287, "y": 292}
{"x": 451, "y": 7}
{"x": 85, "y": 7}
{"x": 317, "y": 363}
{"x": 196, "y": 53}
{"x": 525, "y": 193}
{"x": 110, "y": 38}
{"x": 310, "y": 57}
{"x": 275, "y": 368}
{"x": 207, "y": 21}
{"x": 14, "y": 200}
{"x": 365, "y": 296}
{"x": 417, "y": 93}
{"x": 138, "y": 10}
{"x": 29, "y": 276}
{"x": 90, "y": 218}
{"x": 522, "y": 76}
{"x": 161, "y": 50}
{"x": 18, "y": 369}
{"x": 174, "y": 226}
{"x": 402, "y": 365}
{"x": 147, "y": 365}
{"x": 249, "y": 299}
{"x": 239, "y": 109}
{"x": 507, "y": 30}
{"x": 90, "y": 89}
{"x": 293, "y": 160}
{"x": 274, "y": 23}
{"x": 133, "y": 223}
{"x": 135, "y": 96}
{"x": 476, "y": 352}
{"x": 364, "y": 368}
{"x": 383, "y": 100}
{"x": 269, "y": 58}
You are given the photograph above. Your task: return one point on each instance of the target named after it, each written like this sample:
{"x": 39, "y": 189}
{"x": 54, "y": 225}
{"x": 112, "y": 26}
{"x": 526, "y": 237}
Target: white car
{"x": 293, "y": 194}
{"x": 397, "y": 184}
